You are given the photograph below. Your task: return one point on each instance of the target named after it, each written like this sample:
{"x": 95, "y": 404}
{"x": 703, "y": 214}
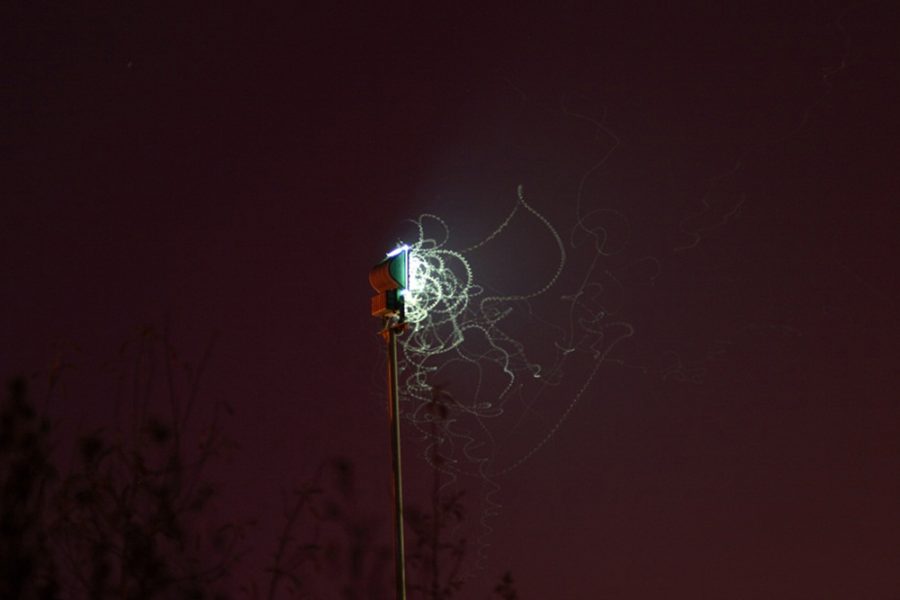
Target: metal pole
{"x": 435, "y": 510}
{"x": 390, "y": 332}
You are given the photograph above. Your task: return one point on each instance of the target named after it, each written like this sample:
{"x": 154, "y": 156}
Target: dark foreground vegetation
{"x": 130, "y": 514}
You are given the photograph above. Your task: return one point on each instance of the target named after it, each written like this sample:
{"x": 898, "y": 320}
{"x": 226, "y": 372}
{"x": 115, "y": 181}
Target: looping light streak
{"x": 454, "y": 323}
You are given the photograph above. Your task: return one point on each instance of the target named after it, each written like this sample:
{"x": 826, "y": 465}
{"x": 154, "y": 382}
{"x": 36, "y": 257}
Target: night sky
{"x": 233, "y": 172}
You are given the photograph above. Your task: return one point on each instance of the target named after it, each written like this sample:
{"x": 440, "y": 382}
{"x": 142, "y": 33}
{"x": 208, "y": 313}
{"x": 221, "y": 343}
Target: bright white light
{"x": 397, "y": 250}
{"x": 415, "y": 266}
{"x": 408, "y": 296}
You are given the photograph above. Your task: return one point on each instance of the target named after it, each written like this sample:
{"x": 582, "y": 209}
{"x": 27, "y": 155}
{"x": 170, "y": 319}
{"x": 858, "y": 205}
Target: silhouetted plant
{"x": 27, "y": 569}
{"x": 435, "y": 557}
{"x": 292, "y": 556}
{"x": 129, "y": 517}
{"x": 329, "y": 545}
{"x": 506, "y": 588}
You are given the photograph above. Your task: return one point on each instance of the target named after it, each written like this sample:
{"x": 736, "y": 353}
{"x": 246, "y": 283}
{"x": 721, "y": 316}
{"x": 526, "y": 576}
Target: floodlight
{"x": 390, "y": 278}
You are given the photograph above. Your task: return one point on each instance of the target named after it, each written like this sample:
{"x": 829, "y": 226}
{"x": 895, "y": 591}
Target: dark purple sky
{"x": 238, "y": 170}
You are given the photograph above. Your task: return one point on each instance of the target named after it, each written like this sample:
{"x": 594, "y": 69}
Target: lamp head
{"x": 390, "y": 278}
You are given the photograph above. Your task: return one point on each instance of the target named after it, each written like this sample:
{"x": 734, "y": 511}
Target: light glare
{"x": 397, "y": 250}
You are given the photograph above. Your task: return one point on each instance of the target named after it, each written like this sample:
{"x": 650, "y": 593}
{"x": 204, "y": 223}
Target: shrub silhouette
{"x": 26, "y": 566}
{"x": 130, "y": 518}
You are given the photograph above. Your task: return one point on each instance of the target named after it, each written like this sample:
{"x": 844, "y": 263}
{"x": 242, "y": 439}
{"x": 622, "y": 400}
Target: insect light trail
{"x": 456, "y": 326}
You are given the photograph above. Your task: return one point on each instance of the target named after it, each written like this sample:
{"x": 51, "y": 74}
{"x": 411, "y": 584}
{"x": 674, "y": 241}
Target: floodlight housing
{"x": 390, "y": 278}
